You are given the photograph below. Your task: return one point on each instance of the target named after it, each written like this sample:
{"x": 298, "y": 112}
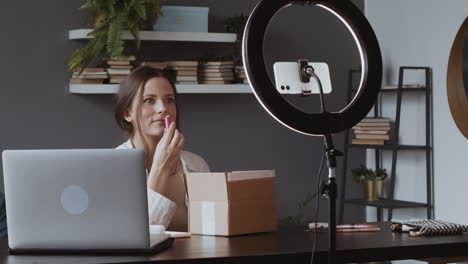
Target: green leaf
{"x": 114, "y": 38}
{"x": 109, "y": 6}
{"x": 136, "y": 35}
{"x": 98, "y": 47}
{"x": 76, "y": 59}
{"x": 140, "y": 9}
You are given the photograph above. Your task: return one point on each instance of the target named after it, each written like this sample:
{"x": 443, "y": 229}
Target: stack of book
{"x": 240, "y": 74}
{"x": 89, "y": 76}
{"x": 186, "y": 71}
{"x": 373, "y": 131}
{"x": 216, "y": 72}
{"x": 119, "y": 69}
{"x": 154, "y": 64}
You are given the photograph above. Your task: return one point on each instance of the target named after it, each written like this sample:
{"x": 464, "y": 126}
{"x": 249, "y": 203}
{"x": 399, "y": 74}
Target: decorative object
{"x": 372, "y": 181}
{"x": 183, "y": 19}
{"x": 457, "y": 86}
{"x": 112, "y": 18}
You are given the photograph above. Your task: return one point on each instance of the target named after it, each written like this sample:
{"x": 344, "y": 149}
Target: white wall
{"x": 420, "y": 33}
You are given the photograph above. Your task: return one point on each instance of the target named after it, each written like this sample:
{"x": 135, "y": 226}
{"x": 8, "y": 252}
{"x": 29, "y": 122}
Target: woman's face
{"x": 158, "y": 101}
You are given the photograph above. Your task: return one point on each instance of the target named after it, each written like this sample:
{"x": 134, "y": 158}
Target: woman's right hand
{"x": 166, "y": 159}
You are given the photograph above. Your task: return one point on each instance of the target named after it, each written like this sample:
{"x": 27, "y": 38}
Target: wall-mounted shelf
{"x": 181, "y": 89}
{"x": 165, "y": 36}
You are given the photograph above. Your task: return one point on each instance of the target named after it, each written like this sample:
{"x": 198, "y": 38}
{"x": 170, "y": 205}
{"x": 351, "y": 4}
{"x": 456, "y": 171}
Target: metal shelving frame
{"x": 389, "y": 202}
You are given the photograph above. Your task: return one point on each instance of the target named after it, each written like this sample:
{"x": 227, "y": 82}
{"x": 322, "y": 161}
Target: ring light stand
{"x": 315, "y": 124}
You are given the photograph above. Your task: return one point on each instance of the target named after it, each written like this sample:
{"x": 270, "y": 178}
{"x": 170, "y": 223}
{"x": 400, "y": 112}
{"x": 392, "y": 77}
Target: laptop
{"x": 91, "y": 201}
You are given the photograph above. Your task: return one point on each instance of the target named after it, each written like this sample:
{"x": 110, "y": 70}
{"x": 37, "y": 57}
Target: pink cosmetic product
{"x": 168, "y": 121}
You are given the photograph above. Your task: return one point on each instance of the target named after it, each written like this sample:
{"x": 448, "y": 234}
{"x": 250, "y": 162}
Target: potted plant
{"x": 379, "y": 176}
{"x": 236, "y": 24}
{"x": 372, "y": 181}
{"x": 111, "y": 19}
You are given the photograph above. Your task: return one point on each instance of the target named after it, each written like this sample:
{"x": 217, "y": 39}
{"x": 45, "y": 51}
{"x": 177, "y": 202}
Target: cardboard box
{"x": 232, "y": 203}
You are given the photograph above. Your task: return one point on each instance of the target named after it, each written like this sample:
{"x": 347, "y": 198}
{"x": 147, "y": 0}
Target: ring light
{"x": 324, "y": 123}
{"x": 276, "y": 105}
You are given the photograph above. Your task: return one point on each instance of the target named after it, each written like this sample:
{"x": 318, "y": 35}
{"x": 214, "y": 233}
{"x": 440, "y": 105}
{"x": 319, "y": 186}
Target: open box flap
{"x": 206, "y": 186}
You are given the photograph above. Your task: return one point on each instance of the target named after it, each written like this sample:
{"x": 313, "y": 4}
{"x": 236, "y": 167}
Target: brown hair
{"x": 133, "y": 87}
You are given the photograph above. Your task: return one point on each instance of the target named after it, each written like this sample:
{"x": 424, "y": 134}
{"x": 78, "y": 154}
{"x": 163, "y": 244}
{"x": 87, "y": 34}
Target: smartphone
{"x": 287, "y": 79}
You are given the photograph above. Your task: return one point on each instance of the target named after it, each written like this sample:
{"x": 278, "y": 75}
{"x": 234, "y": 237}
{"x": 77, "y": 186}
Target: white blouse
{"x": 161, "y": 210}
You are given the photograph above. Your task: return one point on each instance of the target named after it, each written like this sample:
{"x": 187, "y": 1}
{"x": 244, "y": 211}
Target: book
{"x": 371, "y": 136}
{"x": 375, "y": 132}
{"x": 130, "y": 67}
{"x": 154, "y": 64}
{"x": 186, "y": 78}
{"x": 186, "y": 73}
{"x": 216, "y": 74}
{"x": 118, "y": 62}
{"x": 371, "y": 128}
{"x": 89, "y": 73}
{"x": 217, "y": 67}
{"x": 217, "y": 78}
{"x": 121, "y": 58}
{"x": 187, "y": 82}
{"x": 85, "y": 81}
{"x": 183, "y": 68}
{"x": 78, "y": 70}
{"x": 118, "y": 71}
{"x": 215, "y": 82}
{"x": 122, "y": 76}
{"x": 182, "y": 63}
{"x": 116, "y": 80}
{"x": 374, "y": 119}
{"x": 373, "y": 124}
{"x": 368, "y": 141}
{"x": 90, "y": 76}
{"x": 215, "y": 70}
{"x": 406, "y": 86}
{"x": 217, "y": 63}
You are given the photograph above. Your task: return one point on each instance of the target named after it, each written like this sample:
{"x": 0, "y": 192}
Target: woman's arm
{"x": 161, "y": 210}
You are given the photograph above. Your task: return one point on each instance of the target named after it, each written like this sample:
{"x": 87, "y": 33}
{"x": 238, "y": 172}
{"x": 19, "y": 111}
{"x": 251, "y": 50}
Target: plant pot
{"x": 369, "y": 191}
{"x": 378, "y": 189}
{"x": 373, "y": 190}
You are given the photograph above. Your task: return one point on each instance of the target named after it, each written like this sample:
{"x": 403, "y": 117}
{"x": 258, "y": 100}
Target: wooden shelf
{"x": 386, "y": 203}
{"x": 181, "y": 89}
{"x": 165, "y": 36}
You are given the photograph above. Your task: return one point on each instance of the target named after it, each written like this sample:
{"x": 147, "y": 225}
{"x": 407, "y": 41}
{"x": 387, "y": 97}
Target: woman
{"x": 144, "y": 99}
